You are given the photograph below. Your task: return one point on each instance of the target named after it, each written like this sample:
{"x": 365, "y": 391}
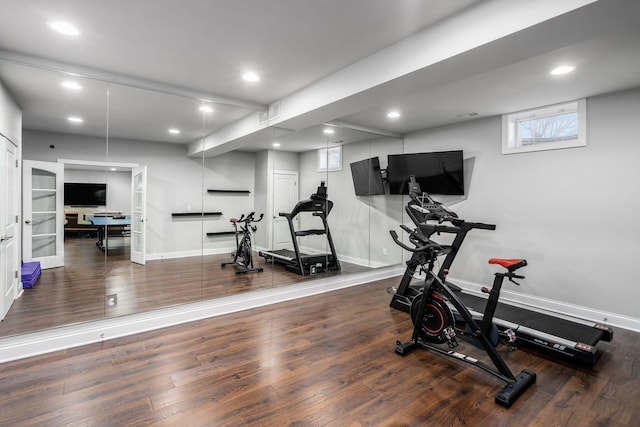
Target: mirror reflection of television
{"x": 437, "y": 173}
{"x": 85, "y": 194}
{"x": 367, "y": 177}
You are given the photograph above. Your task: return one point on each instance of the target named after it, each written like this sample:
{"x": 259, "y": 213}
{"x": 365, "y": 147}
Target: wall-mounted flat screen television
{"x": 85, "y": 194}
{"x": 367, "y": 177}
{"x": 437, "y": 173}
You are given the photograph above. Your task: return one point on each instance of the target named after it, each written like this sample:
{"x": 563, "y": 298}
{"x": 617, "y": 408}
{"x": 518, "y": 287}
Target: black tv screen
{"x": 83, "y": 194}
{"x": 367, "y": 177}
{"x": 437, "y": 172}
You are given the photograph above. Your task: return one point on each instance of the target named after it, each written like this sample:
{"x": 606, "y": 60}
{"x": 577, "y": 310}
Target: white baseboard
{"x": 362, "y": 262}
{"x": 186, "y": 254}
{"x": 352, "y": 260}
{"x": 556, "y": 308}
{"x": 32, "y": 344}
{"x": 218, "y": 251}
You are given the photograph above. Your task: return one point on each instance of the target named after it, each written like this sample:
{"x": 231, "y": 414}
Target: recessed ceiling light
{"x": 174, "y": 131}
{"x": 276, "y": 144}
{"x": 63, "y": 27}
{"x": 113, "y": 169}
{"x": 393, "y": 114}
{"x": 71, "y": 85}
{"x": 74, "y": 119}
{"x": 251, "y": 77}
{"x": 563, "y": 69}
{"x": 206, "y": 109}
{"x": 328, "y": 131}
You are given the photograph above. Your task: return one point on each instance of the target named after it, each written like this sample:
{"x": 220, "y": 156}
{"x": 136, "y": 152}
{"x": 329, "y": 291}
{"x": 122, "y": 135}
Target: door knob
{"x": 3, "y": 238}
{"x": 28, "y": 221}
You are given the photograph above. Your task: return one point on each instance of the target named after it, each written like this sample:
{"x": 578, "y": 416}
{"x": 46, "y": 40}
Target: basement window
{"x": 330, "y": 159}
{"x": 547, "y": 128}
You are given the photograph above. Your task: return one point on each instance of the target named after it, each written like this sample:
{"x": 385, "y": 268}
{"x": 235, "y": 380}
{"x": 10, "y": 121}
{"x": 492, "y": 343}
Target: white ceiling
{"x": 192, "y": 50}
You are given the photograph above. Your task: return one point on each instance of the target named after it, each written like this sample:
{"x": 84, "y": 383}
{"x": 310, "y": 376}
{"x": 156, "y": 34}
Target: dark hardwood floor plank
{"x": 324, "y": 360}
{"x": 78, "y": 291}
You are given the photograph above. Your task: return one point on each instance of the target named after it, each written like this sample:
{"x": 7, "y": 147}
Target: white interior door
{"x": 138, "y": 214}
{"x": 285, "y": 197}
{"x": 43, "y": 213}
{"x": 9, "y": 226}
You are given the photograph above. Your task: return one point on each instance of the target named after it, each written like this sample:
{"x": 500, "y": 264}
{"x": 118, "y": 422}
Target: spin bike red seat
{"x": 234, "y": 220}
{"x": 509, "y": 264}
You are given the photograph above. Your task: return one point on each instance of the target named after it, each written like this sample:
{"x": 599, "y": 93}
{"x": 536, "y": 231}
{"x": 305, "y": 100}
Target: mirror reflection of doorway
{"x": 105, "y": 226}
{"x": 285, "y": 196}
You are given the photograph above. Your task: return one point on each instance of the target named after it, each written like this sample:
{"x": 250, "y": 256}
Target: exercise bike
{"x": 243, "y": 255}
{"x": 435, "y": 324}
{"x": 572, "y": 340}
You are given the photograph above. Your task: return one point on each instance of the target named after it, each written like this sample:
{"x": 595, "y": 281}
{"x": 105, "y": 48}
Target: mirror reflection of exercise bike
{"x": 243, "y": 255}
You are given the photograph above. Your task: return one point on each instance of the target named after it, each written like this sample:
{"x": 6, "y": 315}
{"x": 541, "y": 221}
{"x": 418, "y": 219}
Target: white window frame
{"x": 323, "y": 155}
{"x": 511, "y": 143}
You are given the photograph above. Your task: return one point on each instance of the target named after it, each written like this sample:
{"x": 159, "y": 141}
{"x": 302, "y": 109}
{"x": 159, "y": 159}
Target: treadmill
{"x": 295, "y": 260}
{"x": 569, "y": 339}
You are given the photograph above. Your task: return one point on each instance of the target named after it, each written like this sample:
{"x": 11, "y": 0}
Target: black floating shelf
{"x": 220, "y": 233}
{"x": 229, "y": 191}
{"x": 182, "y": 214}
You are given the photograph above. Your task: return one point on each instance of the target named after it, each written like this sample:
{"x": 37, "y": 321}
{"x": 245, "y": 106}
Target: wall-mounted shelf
{"x": 229, "y": 191}
{"x": 220, "y": 233}
{"x": 185, "y": 214}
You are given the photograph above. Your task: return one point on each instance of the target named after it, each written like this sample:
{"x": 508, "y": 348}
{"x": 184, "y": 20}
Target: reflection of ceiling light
{"x": 174, "y": 131}
{"x": 251, "y": 77}
{"x": 393, "y": 115}
{"x": 63, "y": 27}
{"x": 206, "y": 109}
{"x": 276, "y": 144}
{"x": 563, "y": 69}
{"x": 328, "y": 131}
{"x": 74, "y": 119}
{"x": 71, "y": 85}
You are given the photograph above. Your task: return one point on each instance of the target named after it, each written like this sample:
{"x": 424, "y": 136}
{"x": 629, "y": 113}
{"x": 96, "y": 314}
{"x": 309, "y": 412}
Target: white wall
{"x": 10, "y": 116}
{"x": 231, "y": 171}
{"x": 570, "y": 212}
{"x": 286, "y": 161}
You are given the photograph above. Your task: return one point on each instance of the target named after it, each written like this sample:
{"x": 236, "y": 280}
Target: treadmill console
{"x": 321, "y": 192}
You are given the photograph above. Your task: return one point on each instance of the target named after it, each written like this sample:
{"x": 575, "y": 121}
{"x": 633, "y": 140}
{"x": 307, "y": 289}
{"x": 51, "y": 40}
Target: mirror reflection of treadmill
{"x": 295, "y": 260}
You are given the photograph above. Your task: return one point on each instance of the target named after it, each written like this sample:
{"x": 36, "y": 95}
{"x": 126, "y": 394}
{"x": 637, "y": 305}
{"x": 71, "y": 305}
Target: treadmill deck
{"x": 539, "y": 321}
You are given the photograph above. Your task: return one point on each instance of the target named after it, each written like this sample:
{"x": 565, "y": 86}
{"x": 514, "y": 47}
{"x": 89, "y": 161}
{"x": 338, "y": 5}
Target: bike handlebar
{"x": 461, "y": 223}
{"x": 249, "y": 218}
{"x": 428, "y": 244}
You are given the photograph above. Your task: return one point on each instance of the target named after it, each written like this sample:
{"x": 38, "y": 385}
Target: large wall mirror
{"x": 165, "y": 233}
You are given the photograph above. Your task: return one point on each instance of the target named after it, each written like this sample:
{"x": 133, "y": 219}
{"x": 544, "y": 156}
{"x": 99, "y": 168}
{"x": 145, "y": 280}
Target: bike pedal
{"x": 449, "y": 335}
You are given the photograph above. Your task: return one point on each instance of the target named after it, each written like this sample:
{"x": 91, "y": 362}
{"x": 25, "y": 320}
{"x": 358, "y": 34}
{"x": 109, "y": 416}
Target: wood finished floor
{"x": 326, "y": 360}
{"x": 78, "y": 292}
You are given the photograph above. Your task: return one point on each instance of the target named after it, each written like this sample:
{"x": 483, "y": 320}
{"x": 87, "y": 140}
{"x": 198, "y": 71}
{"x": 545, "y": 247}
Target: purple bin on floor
{"x": 30, "y": 274}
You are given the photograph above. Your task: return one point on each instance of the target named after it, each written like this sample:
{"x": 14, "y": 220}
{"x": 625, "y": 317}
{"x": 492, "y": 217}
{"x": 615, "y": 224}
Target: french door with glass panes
{"x": 43, "y": 213}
